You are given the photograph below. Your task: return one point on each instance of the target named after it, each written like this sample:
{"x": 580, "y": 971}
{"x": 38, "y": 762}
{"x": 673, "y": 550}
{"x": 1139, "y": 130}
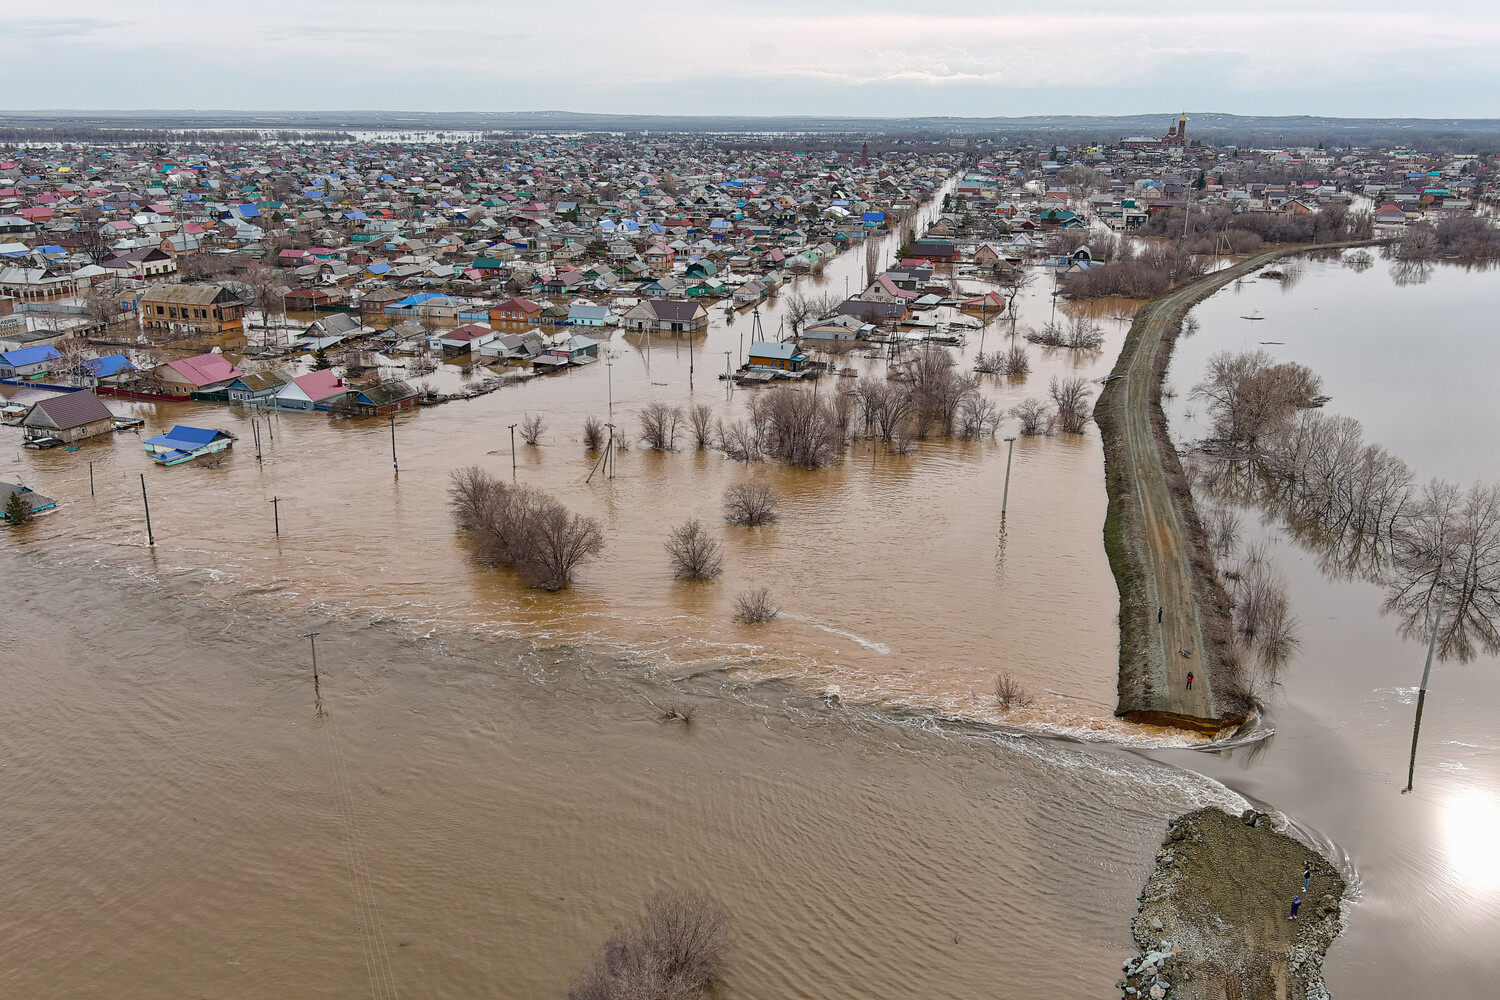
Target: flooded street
{"x": 897, "y": 583}
{"x": 1412, "y": 363}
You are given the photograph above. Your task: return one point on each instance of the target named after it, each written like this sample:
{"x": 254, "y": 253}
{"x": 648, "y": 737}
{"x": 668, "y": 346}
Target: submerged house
{"x": 782, "y": 357}
{"x": 667, "y": 316}
{"x": 515, "y": 346}
{"x": 313, "y": 391}
{"x": 183, "y": 444}
{"x": 26, "y": 362}
{"x": 108, "y": 370}
{"x": 378, "y": 400}
{"x": 68, "y": 418}
{"x": 257, "y": 386}
{"x": 204, "y": 373}
{"x": 577, "y": 350}
{"x": 465, "y": 339}
{"x": 845, "y": 328}
{"x": 30, "y": 497}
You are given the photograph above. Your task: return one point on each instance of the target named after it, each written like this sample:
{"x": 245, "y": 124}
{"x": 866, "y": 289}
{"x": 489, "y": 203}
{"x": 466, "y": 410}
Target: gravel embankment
{"x": 1213, "y": 917}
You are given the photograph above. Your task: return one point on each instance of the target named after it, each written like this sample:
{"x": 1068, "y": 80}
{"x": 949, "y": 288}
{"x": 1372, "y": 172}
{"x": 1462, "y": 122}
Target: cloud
{"x": 36, "y": 30}
{"x": 871, "y": 57}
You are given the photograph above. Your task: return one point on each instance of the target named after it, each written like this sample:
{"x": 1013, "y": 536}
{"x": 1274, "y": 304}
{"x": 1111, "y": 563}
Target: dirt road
{"x": 1174, "y": 614}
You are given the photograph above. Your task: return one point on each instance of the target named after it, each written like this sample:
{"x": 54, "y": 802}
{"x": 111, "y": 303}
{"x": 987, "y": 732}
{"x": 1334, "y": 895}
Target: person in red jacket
{"x": 1190, "y": 680}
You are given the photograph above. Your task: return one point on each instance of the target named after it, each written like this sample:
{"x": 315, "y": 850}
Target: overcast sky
{"x": 1357, "y": 58}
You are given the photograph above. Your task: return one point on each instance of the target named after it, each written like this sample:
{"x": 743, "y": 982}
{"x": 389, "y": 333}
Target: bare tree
{"x": 701, "y": 420}
{"x": 740, "y": 441}
{"x": 267, "y": 291}
{"x": 1035, "y": 416}
{"x": 1017, "y": 361}
{"x": 696, "y": 555}
{"x": 1223, "y": 527}
{"x": 522, "y": 527}
{"x": 1013, "y": 281}
{"x": 978, "y": 417}
{"x": 1250, "y": 396}
{"x": 532, "y": 426}
{"x": 751, "y": 503}
{"x": 1071, "y": 396}
{"x": 1263, "y": 619}
{"x": 593, "y": 433}
{"x": 1447, "y": 570}
{"x": 103, "y": 304}
{"x": 659, "y": 424}
{"x": 752, "y": 607}
{"x": 1009, "y": 693}
{"x": 990, "y": 363}
{"x": 1084, "y": 334}
{"x": 797, "y": 426}
{"x": 676, "y": 951}
{"x": 803, "y": 309}
{"x": 886, "y": 406}
{"x": 936, "y": 388}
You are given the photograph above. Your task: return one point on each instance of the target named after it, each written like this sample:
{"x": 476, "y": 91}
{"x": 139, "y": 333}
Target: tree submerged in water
{"x": 675, "y": 951}
{"x": 522, "y": 527}
{"x": 17, "y": 510}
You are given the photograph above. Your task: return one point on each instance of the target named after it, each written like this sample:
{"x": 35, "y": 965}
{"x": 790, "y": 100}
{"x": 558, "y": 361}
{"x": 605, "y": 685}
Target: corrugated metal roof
{"x": 72, "y": 410}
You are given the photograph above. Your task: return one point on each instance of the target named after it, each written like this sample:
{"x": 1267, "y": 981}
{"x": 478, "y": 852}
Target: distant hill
{"x": 1208, "y": 125}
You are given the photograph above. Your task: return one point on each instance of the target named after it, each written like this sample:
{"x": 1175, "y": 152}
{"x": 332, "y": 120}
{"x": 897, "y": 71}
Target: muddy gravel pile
{"x": 1213, "y": 921}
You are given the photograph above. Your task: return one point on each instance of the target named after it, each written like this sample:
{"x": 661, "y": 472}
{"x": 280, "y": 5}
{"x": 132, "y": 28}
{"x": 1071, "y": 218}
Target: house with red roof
{"x": 463, "y": 339}
{"x": 203, "y": 373}
{"x": 313, "y": 391}
{"x": 517, "y": 312}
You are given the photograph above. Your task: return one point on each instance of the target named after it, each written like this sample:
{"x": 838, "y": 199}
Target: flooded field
{"x": 1413, "y": 363}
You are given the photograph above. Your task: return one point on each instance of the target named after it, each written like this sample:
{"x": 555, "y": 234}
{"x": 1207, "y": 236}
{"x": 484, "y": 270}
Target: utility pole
{"x": 394, "y": 464}
{"x": 312, "y": 639}
{"x": 276, "y": 513}
{"x": 91, "y": 479}
{"x": 1010, "y": 448}
{"x": 609, "y": 381}
{"x": 255, "y": 430}
{"x": 150, "y": 538}
{"x": 512, "y": 452}
{"x": 1416, "y": 728}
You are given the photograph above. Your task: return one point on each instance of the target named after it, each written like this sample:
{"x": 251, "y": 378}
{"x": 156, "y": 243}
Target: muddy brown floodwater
{"x": 473, "y": 814}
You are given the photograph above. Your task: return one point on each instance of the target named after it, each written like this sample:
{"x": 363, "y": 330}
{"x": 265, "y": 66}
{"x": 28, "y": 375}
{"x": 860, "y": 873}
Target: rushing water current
{"x": 473, "y": 813}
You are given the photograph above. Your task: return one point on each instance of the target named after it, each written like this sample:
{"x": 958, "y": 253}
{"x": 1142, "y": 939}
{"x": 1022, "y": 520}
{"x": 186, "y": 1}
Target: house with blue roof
{"x": 28, "y": 362}
{"x": 110, "y": 368}
{"x": 183, "y": 444}
{"x": 782, "y": 357}
{"x": 587, "y": 314}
